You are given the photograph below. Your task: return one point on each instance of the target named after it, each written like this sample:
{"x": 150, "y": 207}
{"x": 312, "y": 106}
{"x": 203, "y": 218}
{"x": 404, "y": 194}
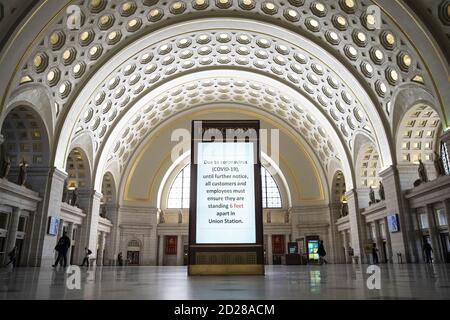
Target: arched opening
{"x": 78, "y": 176}
{"x": 368, "y": 167}
{"x": 418, "y": 139}
{"x": 25, "y": 144}
{"x": 133, "y": 252}
{"x": 418, "y": 135}
{"x": 109, "y": 194}
{"x": 338, "y": 193}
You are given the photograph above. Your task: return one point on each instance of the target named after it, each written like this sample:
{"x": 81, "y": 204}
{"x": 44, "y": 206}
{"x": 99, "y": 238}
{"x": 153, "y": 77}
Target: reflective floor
{"x": 280, "y": 282}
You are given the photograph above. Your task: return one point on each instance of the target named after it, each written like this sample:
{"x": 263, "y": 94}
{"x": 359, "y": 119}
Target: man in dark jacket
{"x": 321, "y": 252}
{"x": 427, "y": 250}
{"x": 62, "y": 247}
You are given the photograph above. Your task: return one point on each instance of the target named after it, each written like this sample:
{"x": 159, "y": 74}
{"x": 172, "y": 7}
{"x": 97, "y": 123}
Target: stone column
{"x": 113, "y": 241}
{"x": 434, "y": 234}
{"x": 180, "y": 250}
{"x": 269, "y": 249}
{"x": 89, "y": 201}
{"x": 395, "y": 205}
{"x": 70, "y": 235}
{"x": 101, "y": 248}
{"x": 161, "y": 250}
{"x": 345, "y": 246}
{"x": 388, "y": 242}
{"x": 12, "y": 229}
{"x": 357, "y": 226}
{"x": 43, "y": 245}
{"x": 335, "y": 210}
{"x": 379, "y": 242}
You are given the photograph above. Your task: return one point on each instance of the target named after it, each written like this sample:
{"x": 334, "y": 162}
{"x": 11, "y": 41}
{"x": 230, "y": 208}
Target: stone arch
{"x": 25, "y": 138}
{"x": 109, "y": 190}
{"x": 365, "y": 100}
{"x": 338, "y": 188}
{"x": 418, "y": 135}
{"x": 78, "y": 170}
{"x": 406, "y": 97}
{"x": 367, "y": 166}
{"x": 36, "y": 97}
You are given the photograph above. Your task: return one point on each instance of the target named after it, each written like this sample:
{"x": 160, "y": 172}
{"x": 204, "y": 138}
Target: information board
{"x": 225, "y": 193}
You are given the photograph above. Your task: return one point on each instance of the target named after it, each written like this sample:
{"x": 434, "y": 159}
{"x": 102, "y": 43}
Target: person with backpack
{"x": 322, "y": 253}
{"x": 427, "y": 249}
{"x": 62, "y": 247}
{"x": 87, "y": 253}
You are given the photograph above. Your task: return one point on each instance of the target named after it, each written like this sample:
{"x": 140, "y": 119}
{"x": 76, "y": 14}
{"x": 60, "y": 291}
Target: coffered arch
{"x": 337, "y": 67}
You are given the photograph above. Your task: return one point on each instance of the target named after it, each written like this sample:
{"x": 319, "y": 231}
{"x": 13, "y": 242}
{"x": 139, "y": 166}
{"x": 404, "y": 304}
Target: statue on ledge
{"x": 103, "y": 214}
{"x": 269, "y": 217}
{"x": 74, "y": 201}
{"x": 180, "y": 217}
{"x": 6, "y": 165}
{"x": 161, "y": 217}
{"x": 287, "y": 217}
{"x": 344, "y": 209}
{"x": 22, "y": 173}
{"x": 422, "y": 172}
{"x": 371, "y": 196}
{"x": 65, "y": 196}
{"x": 438, "y": 165}
{"x": 381, "y": 191}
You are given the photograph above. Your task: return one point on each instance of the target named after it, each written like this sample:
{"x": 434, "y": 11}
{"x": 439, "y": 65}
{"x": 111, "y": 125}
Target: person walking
{"x": 62, "y": 247}
{"x": 375, "y": 254}
{"x": 12, "y": 255}
{"x": 427, "y": 249}
{"x": 120, "y": 259}
{"x": 322, "y": 253}
{"x": 87, "y": 253}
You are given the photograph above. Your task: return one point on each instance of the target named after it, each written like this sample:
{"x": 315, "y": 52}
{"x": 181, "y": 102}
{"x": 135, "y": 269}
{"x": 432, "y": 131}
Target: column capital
{"x": 352, "y": 193}
{"x": 388, "y": 172}
{"x": 55, "y": 172}
{"x": 84, "y": 192}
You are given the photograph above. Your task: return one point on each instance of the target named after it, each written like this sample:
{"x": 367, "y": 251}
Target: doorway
{"x": 445, "y": 247}
{"x": 133, "y": 258}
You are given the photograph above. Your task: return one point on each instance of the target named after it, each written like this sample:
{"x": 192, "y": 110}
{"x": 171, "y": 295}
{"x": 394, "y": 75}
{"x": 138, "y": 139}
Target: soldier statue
{"x": 22, "y": 173}
{"x": 180, "y": 217}
{"x": 422, "y": 172}
{"x": 438, "y": 165}
{"x": 381, "y": 191}
{"x": 371, "y": 196}
{"x": 6, "y": 166}
{"x": 74, "y": 201}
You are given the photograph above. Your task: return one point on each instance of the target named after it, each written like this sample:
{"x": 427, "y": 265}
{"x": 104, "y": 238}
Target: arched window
{"x": 270, "y": 192}
{"x": 180, "y": 190}
{"x": 444, "y": 157}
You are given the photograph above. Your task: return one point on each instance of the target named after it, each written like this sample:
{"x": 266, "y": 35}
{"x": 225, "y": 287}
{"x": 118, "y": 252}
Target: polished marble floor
{"x": 280, "y": 283}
